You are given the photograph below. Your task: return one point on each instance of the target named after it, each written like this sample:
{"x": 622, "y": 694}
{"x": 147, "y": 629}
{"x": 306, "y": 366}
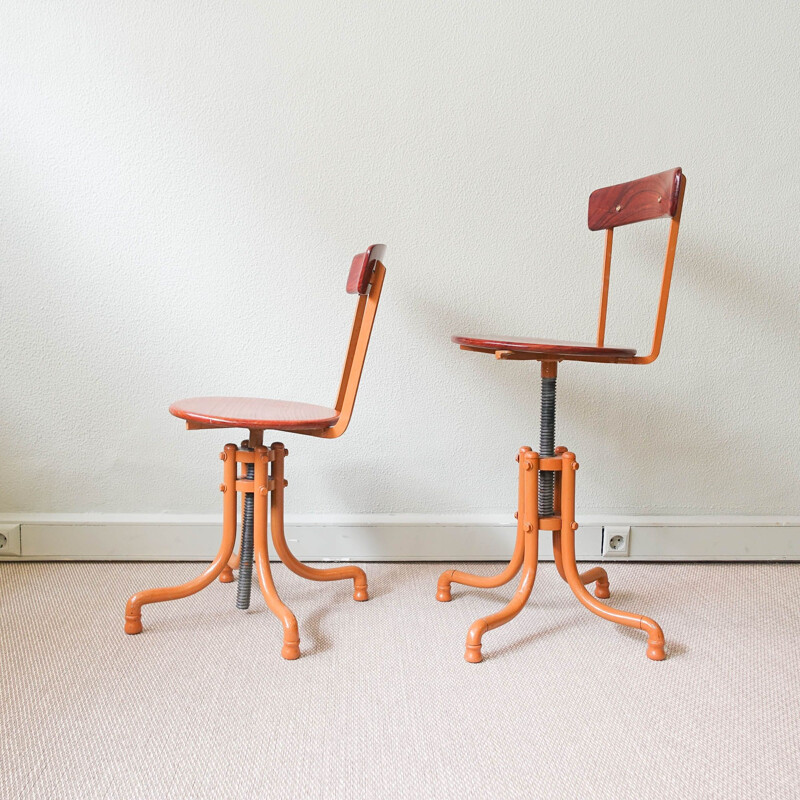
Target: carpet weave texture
{"x": 382, "y": 704}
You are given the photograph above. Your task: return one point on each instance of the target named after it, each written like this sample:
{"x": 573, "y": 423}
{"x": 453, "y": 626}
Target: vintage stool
{"x": 547, "y": 478}
{"x": 261, "y": 474}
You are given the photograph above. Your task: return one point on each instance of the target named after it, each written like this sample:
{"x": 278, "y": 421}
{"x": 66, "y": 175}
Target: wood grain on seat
{"x": 547, "y": 348}
{"x": 254, "y": 413}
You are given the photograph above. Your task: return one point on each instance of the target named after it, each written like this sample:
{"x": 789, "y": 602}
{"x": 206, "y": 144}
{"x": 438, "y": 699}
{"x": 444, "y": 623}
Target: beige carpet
{"x": 382, "y": 704}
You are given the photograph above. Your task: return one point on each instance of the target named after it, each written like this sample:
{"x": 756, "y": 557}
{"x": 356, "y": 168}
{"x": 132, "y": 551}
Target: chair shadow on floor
{"x": 313, "y": 639}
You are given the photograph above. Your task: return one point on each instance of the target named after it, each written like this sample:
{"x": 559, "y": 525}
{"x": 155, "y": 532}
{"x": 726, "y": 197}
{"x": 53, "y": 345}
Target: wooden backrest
{"x": 647, "y": 198}
{"x": 366, "y": 280}
{"x": 653, "y": 197}
{"x": 361, "y": 268}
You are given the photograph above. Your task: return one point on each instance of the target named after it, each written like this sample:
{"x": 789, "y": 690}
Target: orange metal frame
{"x": 270, "y": 483}
{"x": 526, "y": 556}
{"x": 562, "y": 522}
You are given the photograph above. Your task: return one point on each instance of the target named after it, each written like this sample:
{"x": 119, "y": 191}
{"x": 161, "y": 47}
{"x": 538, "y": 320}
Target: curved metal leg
{"x": 133, "y": 610}
{"x": 451, "y": 576}
{"x": 529, "y": 523}
{"x": 356, "y": 574}
{"x": 226, "y": 576}
{"x": 291, "y": 635}
{"x": 655, "y": 643}
{"x": 596, "y": 575}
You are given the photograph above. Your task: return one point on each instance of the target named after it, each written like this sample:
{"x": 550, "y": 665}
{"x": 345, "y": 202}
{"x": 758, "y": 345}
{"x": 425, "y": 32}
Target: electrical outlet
{"x": 10, "y": 542}
{"x": 616, "y": 541}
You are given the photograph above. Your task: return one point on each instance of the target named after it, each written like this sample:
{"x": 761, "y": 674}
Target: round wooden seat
{"x": 254, "y": 413}
{"x": 545, "y": 349}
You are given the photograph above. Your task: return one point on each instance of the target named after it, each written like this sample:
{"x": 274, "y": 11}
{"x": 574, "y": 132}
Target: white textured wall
{"x": 182, "y": 186}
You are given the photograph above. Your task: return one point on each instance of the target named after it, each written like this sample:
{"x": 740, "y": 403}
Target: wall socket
{"x": 10, "y": 541}
{"x": 616, "y": 541}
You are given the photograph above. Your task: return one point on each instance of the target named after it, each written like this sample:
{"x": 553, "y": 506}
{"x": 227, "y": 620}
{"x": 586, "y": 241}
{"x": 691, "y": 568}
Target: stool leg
{"x": 529, "y": 518}
{"x": 451, "y": 576}
{"x": 356, "y": 574}
{"x": 291, "y": 636}
{"x": 596, "y": 575}
{"x": 133, "y": 610}
{"x": 226, "y": 576}
{"x": 655, "y": 643}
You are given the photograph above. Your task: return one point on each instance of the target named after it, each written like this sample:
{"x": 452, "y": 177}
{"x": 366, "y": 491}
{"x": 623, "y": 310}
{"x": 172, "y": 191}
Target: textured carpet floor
{"x": 382, "y": 704}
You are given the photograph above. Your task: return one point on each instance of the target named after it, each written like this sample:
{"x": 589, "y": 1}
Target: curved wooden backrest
{"x": 361, "y": 268}
{"x": 366, "y": 280}
{"x": 652, "y": 197}
{"x": 647, "y": 198}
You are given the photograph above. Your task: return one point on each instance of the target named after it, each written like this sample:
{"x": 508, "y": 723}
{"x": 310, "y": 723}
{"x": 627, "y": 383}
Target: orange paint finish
{"x": 291, "y": 636}
{"x": 652, "y": 197}
{"x": 133, "y": 610}
{"x": 356, "y": 355}
{"x": 450, "y": 576}
{"x": 528, "y": 526}
{"x": 267, "y": 489}
{"x": 356, "y": 574}
{"x": 655, "y": 641}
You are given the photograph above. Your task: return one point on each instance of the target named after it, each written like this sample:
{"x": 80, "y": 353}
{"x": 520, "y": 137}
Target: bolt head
{"x": 223, "y": 456}
{"x": 263, "y": 491}
{"x": 223, "y": 487}
{"x": 574, "y": 526}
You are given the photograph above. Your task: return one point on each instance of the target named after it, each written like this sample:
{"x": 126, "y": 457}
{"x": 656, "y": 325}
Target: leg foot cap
{"x": 443, "y": 594}
{"x": 226, "y": 576}
{"x": 291, "y": 650}
{"x": 473, "y": 654}
{"x": 360, "y": 594}
{"x": 655, "y": 652}
{"x": 602, "y": 592}
{"x": 133, "y": 625}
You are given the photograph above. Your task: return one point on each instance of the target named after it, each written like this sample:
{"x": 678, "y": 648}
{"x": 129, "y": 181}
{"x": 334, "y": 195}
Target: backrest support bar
{"x": 669, "y": 260}
{"x": 370, "y": 264}
{"x": 652, "y": 197}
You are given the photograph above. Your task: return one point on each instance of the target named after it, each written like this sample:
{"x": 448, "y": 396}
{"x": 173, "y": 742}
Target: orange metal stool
{"x": 547, "y": 479}
{"x": 261, "y": 473}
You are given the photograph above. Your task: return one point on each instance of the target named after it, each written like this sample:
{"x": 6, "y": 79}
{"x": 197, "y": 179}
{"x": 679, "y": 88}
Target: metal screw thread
{"x": 547, "y": 437}
{"x": 245, "y": 577}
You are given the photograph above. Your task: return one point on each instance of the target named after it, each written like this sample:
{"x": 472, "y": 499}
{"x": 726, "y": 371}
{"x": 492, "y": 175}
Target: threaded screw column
{"x": 245, "y": 577}
{"x": 547, "y": 435}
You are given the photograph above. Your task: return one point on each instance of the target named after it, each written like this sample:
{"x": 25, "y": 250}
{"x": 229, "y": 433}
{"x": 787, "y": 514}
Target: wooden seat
{"x": 253, "y": 413}
{"x": 544, "y": 348}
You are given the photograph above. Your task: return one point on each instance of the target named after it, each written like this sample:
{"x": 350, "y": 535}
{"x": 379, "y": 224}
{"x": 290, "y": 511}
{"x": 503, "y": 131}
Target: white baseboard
{"x": 401, "y": 537}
